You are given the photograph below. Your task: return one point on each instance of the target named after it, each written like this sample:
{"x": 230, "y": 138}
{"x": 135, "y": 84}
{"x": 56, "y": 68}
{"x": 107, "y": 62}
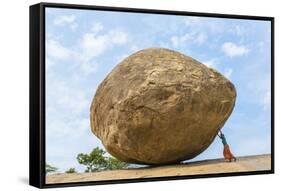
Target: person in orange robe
{"x": 226, "y": 150}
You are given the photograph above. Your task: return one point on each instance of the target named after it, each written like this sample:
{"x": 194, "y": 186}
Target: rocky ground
{"x": 247, "y": 163}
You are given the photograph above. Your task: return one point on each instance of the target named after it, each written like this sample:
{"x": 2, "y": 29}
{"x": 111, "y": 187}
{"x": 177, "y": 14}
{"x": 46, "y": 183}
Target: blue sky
{"x": 83, "y": 46}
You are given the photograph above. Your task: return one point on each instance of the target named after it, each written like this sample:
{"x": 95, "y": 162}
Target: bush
{"x": 71, "y": 170}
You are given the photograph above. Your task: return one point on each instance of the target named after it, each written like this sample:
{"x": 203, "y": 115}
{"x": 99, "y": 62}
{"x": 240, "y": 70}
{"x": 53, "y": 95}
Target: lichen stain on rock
{"x": 159, "y": 106}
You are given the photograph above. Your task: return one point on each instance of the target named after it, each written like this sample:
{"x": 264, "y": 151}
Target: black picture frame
{"x": 37, "y": 93}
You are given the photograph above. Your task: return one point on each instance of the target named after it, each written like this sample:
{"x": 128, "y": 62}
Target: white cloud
{"x": 201, "y": 38}
{"x": 97, "y": 27}
{"x": 197, "y": 38}
{"x": 232, "y": 49}
{"x": 94, "y": 45}
{"x": 66, "y": 20}
{"x": 65, "y": 96}
{"x": 213, "y": 63}
{"x": 91, "y": 45}
{"x": 66, "y": 129}
{"x": 89, "y": 67}
{"x": 118, "y": 37}
{"x": 57, "y": 51}
{"x": 204, "y": 24}
{"x": 71, "y": 99}
{"x": 175, "y": 41}
{"x": 63, "y": 20}
{"x": 134, "y": 48}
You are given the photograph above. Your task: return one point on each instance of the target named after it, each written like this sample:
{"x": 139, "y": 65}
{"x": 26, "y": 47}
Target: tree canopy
{"x": 96, "y": 161}
{"x": 49, "y": 168}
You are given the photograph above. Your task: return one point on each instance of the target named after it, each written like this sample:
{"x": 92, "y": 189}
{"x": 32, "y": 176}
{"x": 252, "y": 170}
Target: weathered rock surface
{"x": 159, "y": 106}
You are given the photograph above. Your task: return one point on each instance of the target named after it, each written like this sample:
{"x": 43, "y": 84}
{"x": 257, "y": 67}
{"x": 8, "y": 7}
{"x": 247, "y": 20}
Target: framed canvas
{"x": 121, "y": 95}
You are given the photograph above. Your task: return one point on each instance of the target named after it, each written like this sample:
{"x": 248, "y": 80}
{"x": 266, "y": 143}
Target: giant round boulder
{"x": 159, "y": 106}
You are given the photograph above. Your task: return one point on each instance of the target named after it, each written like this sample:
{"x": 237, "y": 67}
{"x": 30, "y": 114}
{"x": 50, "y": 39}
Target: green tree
{"x": 71, "y": 170}
{"x": 93, "y": 161}
{"x": 49, "y": 168}
{"x": 114, "y": 164}
{"x": 96, "y": 161}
